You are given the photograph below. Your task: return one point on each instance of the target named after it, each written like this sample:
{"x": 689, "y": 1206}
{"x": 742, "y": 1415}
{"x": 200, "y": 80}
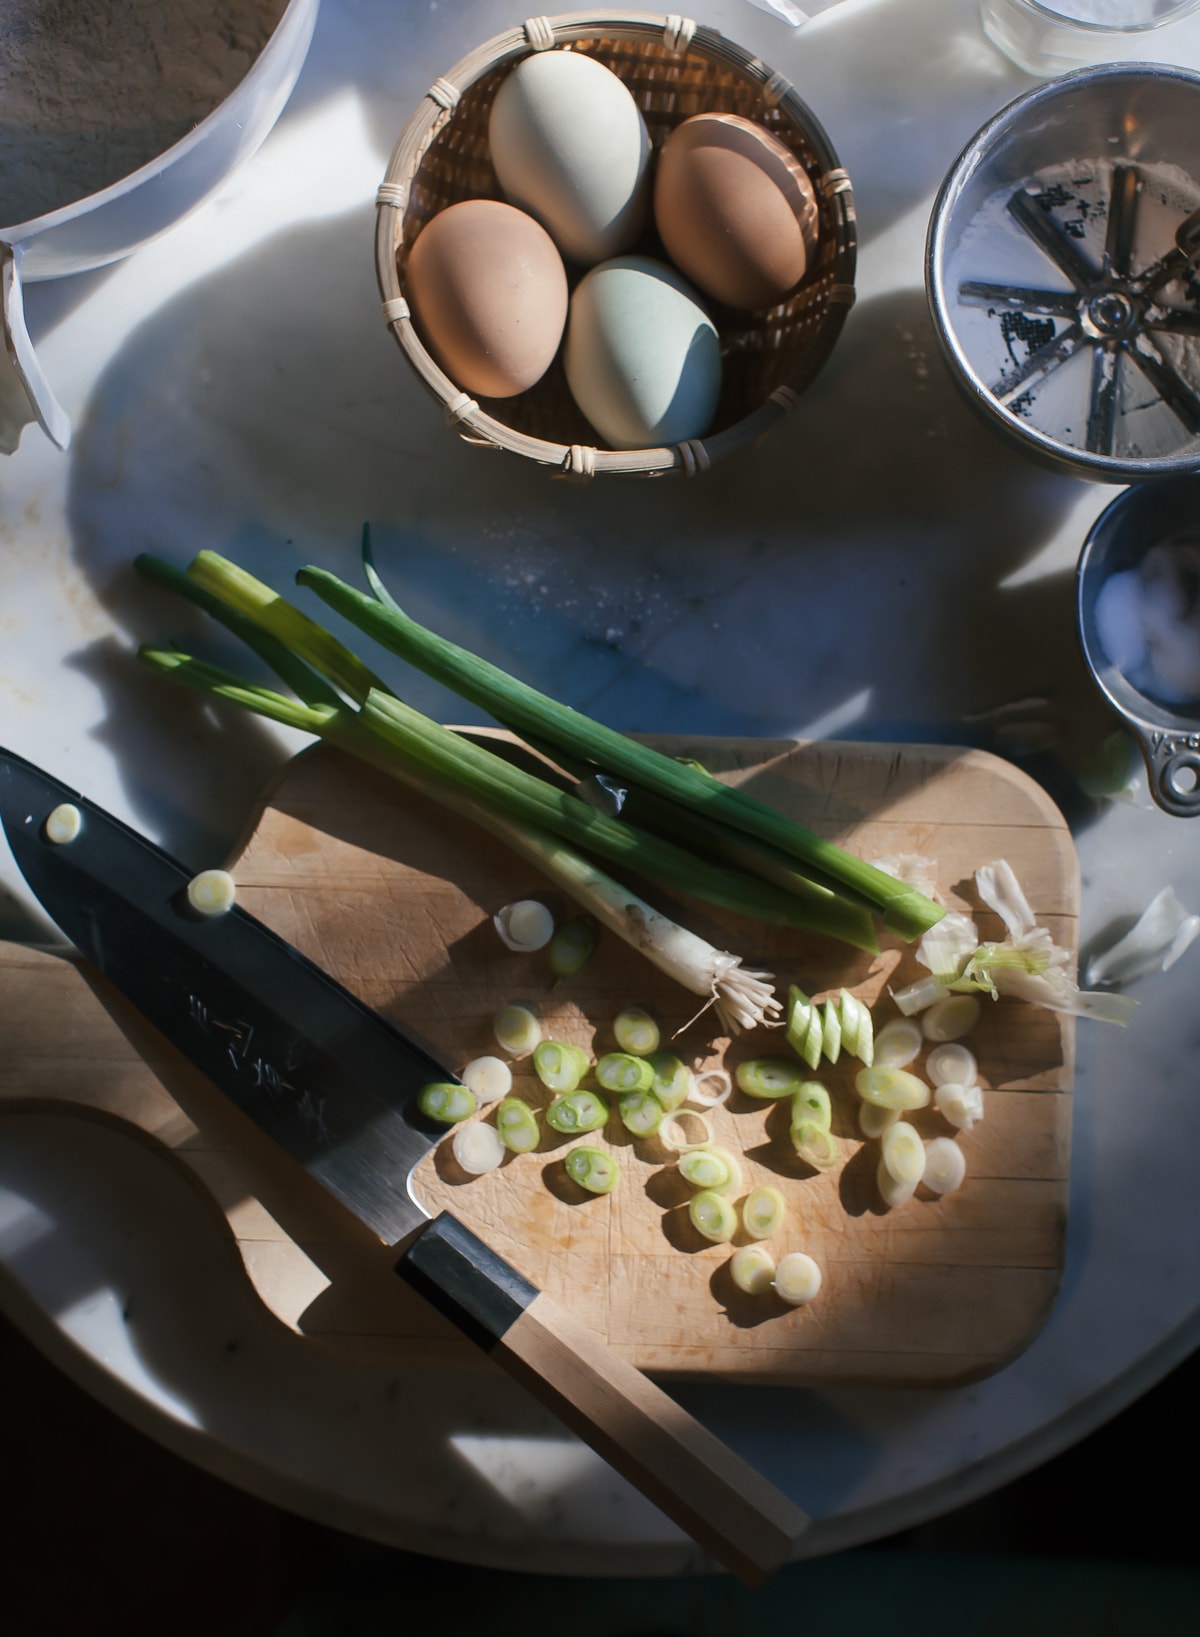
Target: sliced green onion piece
{"x": 712, "y": 1088}
{"x": 524, "y": 926}
{"x": 675, "y": 1130}
{"x": 517, "y": 1029}
{"x": 711, "y": 1168}
{"x": 797, "y": 1278}
{"x": 636, "y": 1031}
{"x": 805, "y": 1032}
{"x": 892, "y": 1193}
{"x": 858, "y": 1030}
{"x": 961, "y": 1105}
{"x": 898, "y": 1043}
{"x": 641, "y": 1112}
{"x": 767, "y": 1077}
{"x": 891, "y": 1088}
{"x": 571, "y": 946}
{"x": 446, "y": 1101}
{"x": 920, "y": 994}
{"x": 577, "y": 1111}
{"x": 592, "y": 1169}
{"x": 672, "y": 1080}
{"x": 763, "y": 1211}
{"x": 816, "y": 1144}
{"x": 559, "y": 1066}
{"x": 903, "y": 1152}
{"x": 212, "y": 892}
{"x": 752, "y": 1269}
{"x": 489, "y": 1078}
{"x": 952, "y": 1064}
{"x": 621, "y": 1071}
{"x": 478, "y": 1147}
{"x": 811, "y": 1102}
{"x": 945, "y": 1166}
{"x": 713, "y": 1217}
{"x": 831, "y": 1031}
{"x": 873, "y": 1119}
{"x": 517, "y": 1124}
{"x": 64, "y": 823}
{"x": 951, "y": 1017}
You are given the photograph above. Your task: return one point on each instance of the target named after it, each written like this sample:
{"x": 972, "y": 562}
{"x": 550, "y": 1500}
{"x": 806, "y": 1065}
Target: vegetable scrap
{"x": 64, "y": 824}
{"x": 212, "y": 892}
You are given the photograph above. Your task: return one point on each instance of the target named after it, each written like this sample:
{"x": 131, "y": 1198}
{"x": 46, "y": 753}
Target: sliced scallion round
{"x": 576, "y": 1112}
{"x": 517, "y": 1124}
{"x": 873, "y": 1120}
{"x": 712, "y": 1088}
{"x": 636, "y": 1031}
{"x": 621, "y": 1071}
{"x": 592, "y": 1169}
{"x": 952, "y": 1064}
{"x": 951, "y": 1017}
{"x": 891, "y": 1088}
{"x": 903, "y": 1152}
{"x": 768, "y": 1077}
{"x": 478, "y": 1147}
{"x": 810, "y": 1101}
{"x": 684, "y": 1129}
{"x": 892, "y": 1193}
{"x": 898, "y": 1044}
{"x": 921, "y": 993}
{"x": 64, "y": 823}
{"x": 672, "y": 1080}
{"x": 559, "y": 1066}
{"x": 713, "y": 1217}
{"x": 797, "y": 1278}
{"x": 517, "y": 1029}
{"x": 752, "y": 1269}
{"x": 710, "y": 1168}
{"x": 571, "y": 946}
{"x": 945, "y": 1165}
{"x": 490, "y": 1078}
{"x": 446, "y": 1101}
{"x": 763, "y": 1211}
{"x": 524, "y": 926}
{"x": 816, "y": 1144}
{"x": 212, "y": 892}
{"x": 641, "y": 1112}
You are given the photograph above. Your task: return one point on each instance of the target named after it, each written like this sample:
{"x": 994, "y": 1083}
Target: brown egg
{"x": 488, "y": 293}
{"x": 735, "y": 210}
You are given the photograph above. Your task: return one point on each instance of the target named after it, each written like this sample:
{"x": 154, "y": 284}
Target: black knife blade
{"x": 335, "y": 1085}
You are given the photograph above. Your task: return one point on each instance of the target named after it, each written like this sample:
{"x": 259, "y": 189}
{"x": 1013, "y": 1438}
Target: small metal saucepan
{"x": 1169, "y": 734}
{"x": 108, "y": 225}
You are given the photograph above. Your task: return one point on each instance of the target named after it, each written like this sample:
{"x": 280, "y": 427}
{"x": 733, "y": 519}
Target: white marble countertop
{"x": 882, "y": 567}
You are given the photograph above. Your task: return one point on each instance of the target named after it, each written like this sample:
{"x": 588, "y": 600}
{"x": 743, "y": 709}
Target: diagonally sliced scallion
{"x": 621, "y": 1071}
{"x": 592, "y": 1168}
{"x": 636, "y": 1031}
{"x": 559, "y": 1065}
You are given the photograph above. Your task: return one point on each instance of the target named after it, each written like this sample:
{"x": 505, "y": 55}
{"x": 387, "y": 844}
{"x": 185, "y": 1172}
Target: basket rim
{"x": 436, "y": 108}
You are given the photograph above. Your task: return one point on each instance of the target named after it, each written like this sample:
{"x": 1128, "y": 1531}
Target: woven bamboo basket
{"x": 673, "y": 68}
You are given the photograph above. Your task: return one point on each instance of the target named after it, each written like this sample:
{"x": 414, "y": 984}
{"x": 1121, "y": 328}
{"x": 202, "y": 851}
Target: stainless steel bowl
{"x": 1169, "y": 736}
{"x": 1062, "y": 277}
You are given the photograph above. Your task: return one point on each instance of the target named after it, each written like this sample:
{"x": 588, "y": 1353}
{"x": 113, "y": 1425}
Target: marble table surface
{"x": 882, "y": 567}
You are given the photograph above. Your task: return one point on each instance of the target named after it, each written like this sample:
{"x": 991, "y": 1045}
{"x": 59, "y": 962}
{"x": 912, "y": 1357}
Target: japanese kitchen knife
{"x": 335, "y": 1085}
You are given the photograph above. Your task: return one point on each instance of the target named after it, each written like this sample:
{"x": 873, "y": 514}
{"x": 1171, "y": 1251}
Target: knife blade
{"x": 334, "y": 1085}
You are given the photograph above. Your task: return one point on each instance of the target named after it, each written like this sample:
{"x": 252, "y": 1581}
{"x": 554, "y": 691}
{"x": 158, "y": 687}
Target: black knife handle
{"x": 723, "y": 1503}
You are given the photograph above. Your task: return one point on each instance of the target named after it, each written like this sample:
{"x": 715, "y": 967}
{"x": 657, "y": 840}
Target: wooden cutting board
{"x": 396, "y": 898}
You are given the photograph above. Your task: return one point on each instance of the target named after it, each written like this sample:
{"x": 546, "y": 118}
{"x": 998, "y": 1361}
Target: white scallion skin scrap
{"x": 903, "y": 1152}
{"x": 763, "y": 1212}
{"x": 517, "y": 1124}
{"x": 713, "y": 1217}
{"x": 212, "y": 892}
{"x": 711, "y": 1088}
{"x": 490, "y": 1078}
{"x": 961, "y": 1105}
{"x": 622, "y": 1071}
{"x": 893, "y": 1193}
{"x": 517, "y": 1030}
{"x": 64, "y": 823}
{"x": 752, "y": 1269}
{"x": 558, "y": 1065}
{"x": 891, "y": 1088}
{"x": 950, "y": 1018}
{"x": 478, "y": 1148}
{"x": 635, "y": 1031}
{"x": 873, "y": 1120}
{"x": 898, "y": 1044}
{"x": 797, "y": 1278}
{"x": 524, "y": 926}
{"x": 921, "y": 993}
{"x": 715, "y": 1169}
{"x": 945, "y": 1167}
{"x": 951, "y": 1063}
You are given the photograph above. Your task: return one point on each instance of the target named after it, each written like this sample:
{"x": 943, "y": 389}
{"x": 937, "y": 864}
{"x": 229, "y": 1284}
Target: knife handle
{"x": 724, "y": 1504}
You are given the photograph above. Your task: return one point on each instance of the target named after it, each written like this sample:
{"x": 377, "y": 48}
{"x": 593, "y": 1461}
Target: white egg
{"x": 570, "y": 146}
{"x": 642, "y": 356}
